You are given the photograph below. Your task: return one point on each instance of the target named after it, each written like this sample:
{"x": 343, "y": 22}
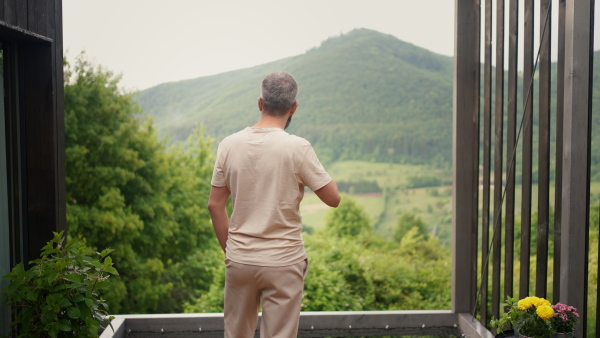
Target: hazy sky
{"x": 151, "y": 41}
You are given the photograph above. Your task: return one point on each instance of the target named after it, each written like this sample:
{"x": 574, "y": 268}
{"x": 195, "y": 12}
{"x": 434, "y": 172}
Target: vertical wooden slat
{"x": 37, "y": 16}
{"x": 498, "y": 149}
{"x": 579, "y": 27}
{"x": 475, "y": 153}
{"x": 527, "y": 144}
{"x": 487, "y": 122}
{"x": 560, "y": 90}
{"x": 10, "y": 11}
{"x": 56, "y": 33}
{"x": 511, "y": 131}
{"x": 465, "y": 119}
{"x": 21, "y": 14}
{"x": 541, "y": 274}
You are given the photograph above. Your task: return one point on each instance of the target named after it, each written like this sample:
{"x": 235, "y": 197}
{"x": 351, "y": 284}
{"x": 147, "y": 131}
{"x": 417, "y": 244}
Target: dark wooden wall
{"x": 31, "y": 34}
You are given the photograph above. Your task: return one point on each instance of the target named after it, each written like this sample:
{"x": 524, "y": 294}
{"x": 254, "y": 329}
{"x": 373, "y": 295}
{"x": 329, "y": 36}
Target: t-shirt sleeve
{"x": 312, "y": 174}
{"x": 218, "y": 177}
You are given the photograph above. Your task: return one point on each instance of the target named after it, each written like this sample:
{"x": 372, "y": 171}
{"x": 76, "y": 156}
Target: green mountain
{"x": 363, "y": 95}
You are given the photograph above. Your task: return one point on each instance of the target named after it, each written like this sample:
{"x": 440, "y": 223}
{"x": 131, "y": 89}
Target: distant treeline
{"x": 426, "y": 181}
{"x": 358, "y": 187}
{"x": 413, "y": 182}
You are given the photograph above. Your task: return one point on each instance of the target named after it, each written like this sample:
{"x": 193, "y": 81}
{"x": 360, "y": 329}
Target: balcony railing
{"x": 312, "y": 324}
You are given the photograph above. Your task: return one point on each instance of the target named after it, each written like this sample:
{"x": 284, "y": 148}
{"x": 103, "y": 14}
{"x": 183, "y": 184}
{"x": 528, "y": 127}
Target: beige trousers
{"x": 278, "y": 289}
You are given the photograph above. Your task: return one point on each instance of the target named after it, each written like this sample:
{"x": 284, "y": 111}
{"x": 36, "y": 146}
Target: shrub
{"x": 59, "y": 295}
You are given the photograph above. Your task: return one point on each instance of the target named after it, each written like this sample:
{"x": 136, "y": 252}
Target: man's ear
{"x": 294, "y": 107}
{"x": 260, "y": 104}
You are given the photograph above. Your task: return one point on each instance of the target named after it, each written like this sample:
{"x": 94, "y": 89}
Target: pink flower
{"x": 563, "y": 309}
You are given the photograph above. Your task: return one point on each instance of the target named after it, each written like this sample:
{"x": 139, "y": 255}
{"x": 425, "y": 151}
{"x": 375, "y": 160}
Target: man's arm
{"x": 329, "y": 194}
{"x": 218, "y": 213}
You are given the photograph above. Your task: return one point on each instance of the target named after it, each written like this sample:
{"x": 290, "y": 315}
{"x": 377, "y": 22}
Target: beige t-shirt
{"x": 266, "y": 170}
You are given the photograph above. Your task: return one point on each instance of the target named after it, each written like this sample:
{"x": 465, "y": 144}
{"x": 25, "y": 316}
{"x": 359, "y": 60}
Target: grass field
{"x": 384, "y": 208}
{"x": 433, "y": 205}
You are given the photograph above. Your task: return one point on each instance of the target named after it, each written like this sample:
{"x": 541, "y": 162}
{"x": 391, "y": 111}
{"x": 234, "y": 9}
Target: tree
{"x": 408, "y": 221}
{"x": 127, "y": 192}
{"x": 414, "y": 246}
{"x": 348, "y": 219}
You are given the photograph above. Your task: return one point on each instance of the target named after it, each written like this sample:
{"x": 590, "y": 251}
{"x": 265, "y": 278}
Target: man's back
{"x": 266, "y": 170}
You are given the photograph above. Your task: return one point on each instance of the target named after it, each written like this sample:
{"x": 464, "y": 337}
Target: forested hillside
{"x": 363, "y": 95}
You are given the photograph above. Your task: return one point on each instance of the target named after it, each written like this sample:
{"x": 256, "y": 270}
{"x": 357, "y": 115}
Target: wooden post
{"x": 511, "y": 132}
{"x": 526, "y": 142}
{"x": 465, "y": 137}
{"x": 579, "y": 27}
{"x": 498, "y": 150}
{"x": 487, "y": 149}
{"x": 560, "y": 90}
{"x": 543, "y": 151}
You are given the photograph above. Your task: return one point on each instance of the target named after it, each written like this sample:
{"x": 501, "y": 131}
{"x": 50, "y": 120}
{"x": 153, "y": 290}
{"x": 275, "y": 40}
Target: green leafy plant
{"x": 59, "y": 295}
{"x": 529, "y": 316}
{"x": 507, "y": 319}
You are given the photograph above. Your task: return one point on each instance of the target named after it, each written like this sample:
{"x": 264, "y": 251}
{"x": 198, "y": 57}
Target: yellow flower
{"x": 545, "y": 312}
{"x": 540, "y": 302}
{"x": 525, "y": 304}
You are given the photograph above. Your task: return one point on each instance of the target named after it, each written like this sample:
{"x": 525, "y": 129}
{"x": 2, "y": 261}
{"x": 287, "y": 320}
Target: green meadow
{"x": 432, "y": 204}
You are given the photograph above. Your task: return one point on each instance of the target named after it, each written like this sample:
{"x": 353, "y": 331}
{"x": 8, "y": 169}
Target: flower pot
{"x": 506, "y": 334}
{"x": 563, "y": 335}
{"x": 517, "y": 335}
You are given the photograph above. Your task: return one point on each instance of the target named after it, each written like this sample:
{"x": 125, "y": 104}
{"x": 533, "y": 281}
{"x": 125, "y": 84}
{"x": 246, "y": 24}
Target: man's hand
{"x": 329, "y": 194}
{"x": 218, "y": 213}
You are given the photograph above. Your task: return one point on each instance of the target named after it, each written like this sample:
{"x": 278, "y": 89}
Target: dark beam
{"x": 560, "y": 90}
{"x": 579, "y": 28}
{"x": 513, "y": 38}
{"x": 527, "y": 148}
{"x": 541, "y": 275}
{"x": 40, "y": 122}
{"x": 498, "y": 149}
{"x": 465, "y": 137}
{"x": 56, "y": 30}
{"x": 487, "y": 148}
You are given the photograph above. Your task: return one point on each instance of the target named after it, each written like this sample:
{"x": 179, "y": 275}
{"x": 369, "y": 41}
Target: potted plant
{"x": 564, "y": 320}
{"x": 530, "y": 317}
{"x": 535, "y": 317}
{"x": 58, "y": 296}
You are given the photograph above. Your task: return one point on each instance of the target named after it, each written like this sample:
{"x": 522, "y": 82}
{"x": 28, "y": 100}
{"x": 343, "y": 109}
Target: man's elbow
{"x": 335, "y": 201}
{"x": 212, "y": 206}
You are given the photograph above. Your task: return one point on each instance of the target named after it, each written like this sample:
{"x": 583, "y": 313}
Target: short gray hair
{"x": 279, "y": 92}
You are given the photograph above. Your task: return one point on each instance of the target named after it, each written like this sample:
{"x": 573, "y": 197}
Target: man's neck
{"x": 269, "y": 121}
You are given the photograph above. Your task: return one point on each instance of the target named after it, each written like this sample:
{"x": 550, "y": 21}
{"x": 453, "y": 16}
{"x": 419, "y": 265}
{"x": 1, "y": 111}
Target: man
{"x": 265, "y": 170}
